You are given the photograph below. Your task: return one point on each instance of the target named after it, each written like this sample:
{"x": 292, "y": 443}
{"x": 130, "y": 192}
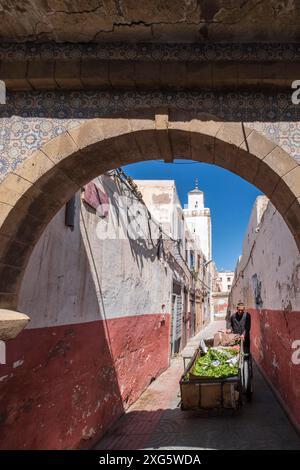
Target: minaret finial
{"x": 196, "y": 183}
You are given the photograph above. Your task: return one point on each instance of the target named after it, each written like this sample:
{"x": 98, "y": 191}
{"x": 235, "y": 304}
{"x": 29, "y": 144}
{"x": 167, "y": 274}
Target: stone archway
{"x": 32, "y": 194}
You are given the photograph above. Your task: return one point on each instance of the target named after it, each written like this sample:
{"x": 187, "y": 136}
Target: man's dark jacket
{"x": 241, "y": 324}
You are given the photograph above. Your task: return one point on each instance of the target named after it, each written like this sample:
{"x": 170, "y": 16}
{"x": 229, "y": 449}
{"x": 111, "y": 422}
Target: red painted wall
{"x": 76, "y": 380}
{"x": 273, "y": 332}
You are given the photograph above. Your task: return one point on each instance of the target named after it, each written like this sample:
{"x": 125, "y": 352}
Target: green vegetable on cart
{"x": 217, "y": 364}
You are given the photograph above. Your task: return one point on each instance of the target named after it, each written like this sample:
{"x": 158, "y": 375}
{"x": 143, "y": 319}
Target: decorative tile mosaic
{"x": 152, "y": 52}
{"x": 29, "y": 119}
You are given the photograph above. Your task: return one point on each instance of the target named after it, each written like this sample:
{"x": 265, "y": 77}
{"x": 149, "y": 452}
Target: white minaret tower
{"x": 196, "y": 198}
{"x": 198, "y": 222}
{"x": 198, "y": 219}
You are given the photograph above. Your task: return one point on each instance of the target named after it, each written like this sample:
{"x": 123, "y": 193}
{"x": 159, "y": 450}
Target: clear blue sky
{"x": 229, "y": 197}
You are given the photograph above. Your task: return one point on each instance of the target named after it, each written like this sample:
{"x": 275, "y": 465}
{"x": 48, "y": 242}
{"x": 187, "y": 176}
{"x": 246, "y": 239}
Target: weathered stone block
{"x": 266, "y": 178}
{"x": 147, "y": 143}
{"x": 164, "y": 145}
{"x": 94, "y": 73}
{"x": 233, "y": 133}
{"x": 180, "y": 143}
{"x": 147, "y": 75}
{"x": 8, "y": 196}
{"x": 59, "y": 147}
{"x": 40, "y": 74}
{"x": 5, "y": 241}
{"x": 202, "y": 147}
{"x": 225, "y": 155}
{"x": 224, "y": 73}
{"x": 47, "y": 203}
{"x": 121, "y": 74}
{"x": 199, "y": 74}
{"x": 292, "y": 179}
{"x": 34, "y": 167}
{"x": 5, "y": 209}
{"x": 58, "y": 187}
{"x": 271, "y": 70}
{"x": 67, "y": 74}
{"x": 173, "y": 75}
{"x": 11, "y": 323}
{"x": 14, "y": 74}
{"x": 10, "y": 277}
{"x": 87, "y": 133}
{"x": 161, "y": 135}
{"x": 282, "y": 197}
{"x": 143, "y": 123}
{"x": 16, "y": 254}
{"x": 258, "y": 145}
{"x": 246, "y": 166}
{"x": 249, "y": 73}
{"x": 205, "y": 127}
{"x": 90, "y": 162}
{"x": 292, "y": 218}
{"x": 280, "y": 161}
{"x": 115, "y": 127}
{"x": 16, "y": 183}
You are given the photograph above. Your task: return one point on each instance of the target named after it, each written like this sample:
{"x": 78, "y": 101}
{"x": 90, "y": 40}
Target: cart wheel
{"x": 251, "y": 365}
{"x": 240, "y": 390}
{"x": 247, "y": 379}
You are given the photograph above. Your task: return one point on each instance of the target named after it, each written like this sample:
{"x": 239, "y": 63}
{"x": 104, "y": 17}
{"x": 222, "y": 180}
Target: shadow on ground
{"x": 259, "y": 425}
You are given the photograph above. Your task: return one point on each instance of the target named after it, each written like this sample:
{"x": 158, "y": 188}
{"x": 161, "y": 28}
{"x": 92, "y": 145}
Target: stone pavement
{"x": 156, "y": 421}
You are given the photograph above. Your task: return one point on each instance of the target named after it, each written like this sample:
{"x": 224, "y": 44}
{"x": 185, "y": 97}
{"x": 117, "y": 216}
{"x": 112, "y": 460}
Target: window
{"x": 228, "y": 287}
{"x": 229, "y": 279}
{"x": 192, "y": 261}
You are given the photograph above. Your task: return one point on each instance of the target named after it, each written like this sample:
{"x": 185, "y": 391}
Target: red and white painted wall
{"x": 99, "y": 332}
{"x": 268, "y": 281}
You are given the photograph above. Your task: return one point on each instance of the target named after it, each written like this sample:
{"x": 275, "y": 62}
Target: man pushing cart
{"x": 219, "y": 376}
{"x": 240, "y": 324}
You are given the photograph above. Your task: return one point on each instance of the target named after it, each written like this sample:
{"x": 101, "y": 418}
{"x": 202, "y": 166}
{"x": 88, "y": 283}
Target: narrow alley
{"x": 149, "y": 198}
{"x": 155, "y": 421}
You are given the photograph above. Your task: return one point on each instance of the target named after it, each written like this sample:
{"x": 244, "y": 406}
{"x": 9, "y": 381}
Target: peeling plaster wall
{"x": 98, "y": 334}
{"x": 270, "y": 257}
{"x": 268, "y": 281}
{"x": 83, "y": 278}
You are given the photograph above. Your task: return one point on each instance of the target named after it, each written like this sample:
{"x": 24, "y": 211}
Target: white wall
{"x": 223, "y": 279}
{"x": 270, "y": 256}
{"x": 74, "y": 277}
{"x": 199, "y": 225}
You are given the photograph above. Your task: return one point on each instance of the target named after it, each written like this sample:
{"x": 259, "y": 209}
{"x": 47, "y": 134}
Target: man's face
{"x": 241, "y": 309}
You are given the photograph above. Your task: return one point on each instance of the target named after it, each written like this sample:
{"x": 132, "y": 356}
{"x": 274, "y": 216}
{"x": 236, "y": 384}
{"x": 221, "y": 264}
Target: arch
{"x": 31, "y": 195}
